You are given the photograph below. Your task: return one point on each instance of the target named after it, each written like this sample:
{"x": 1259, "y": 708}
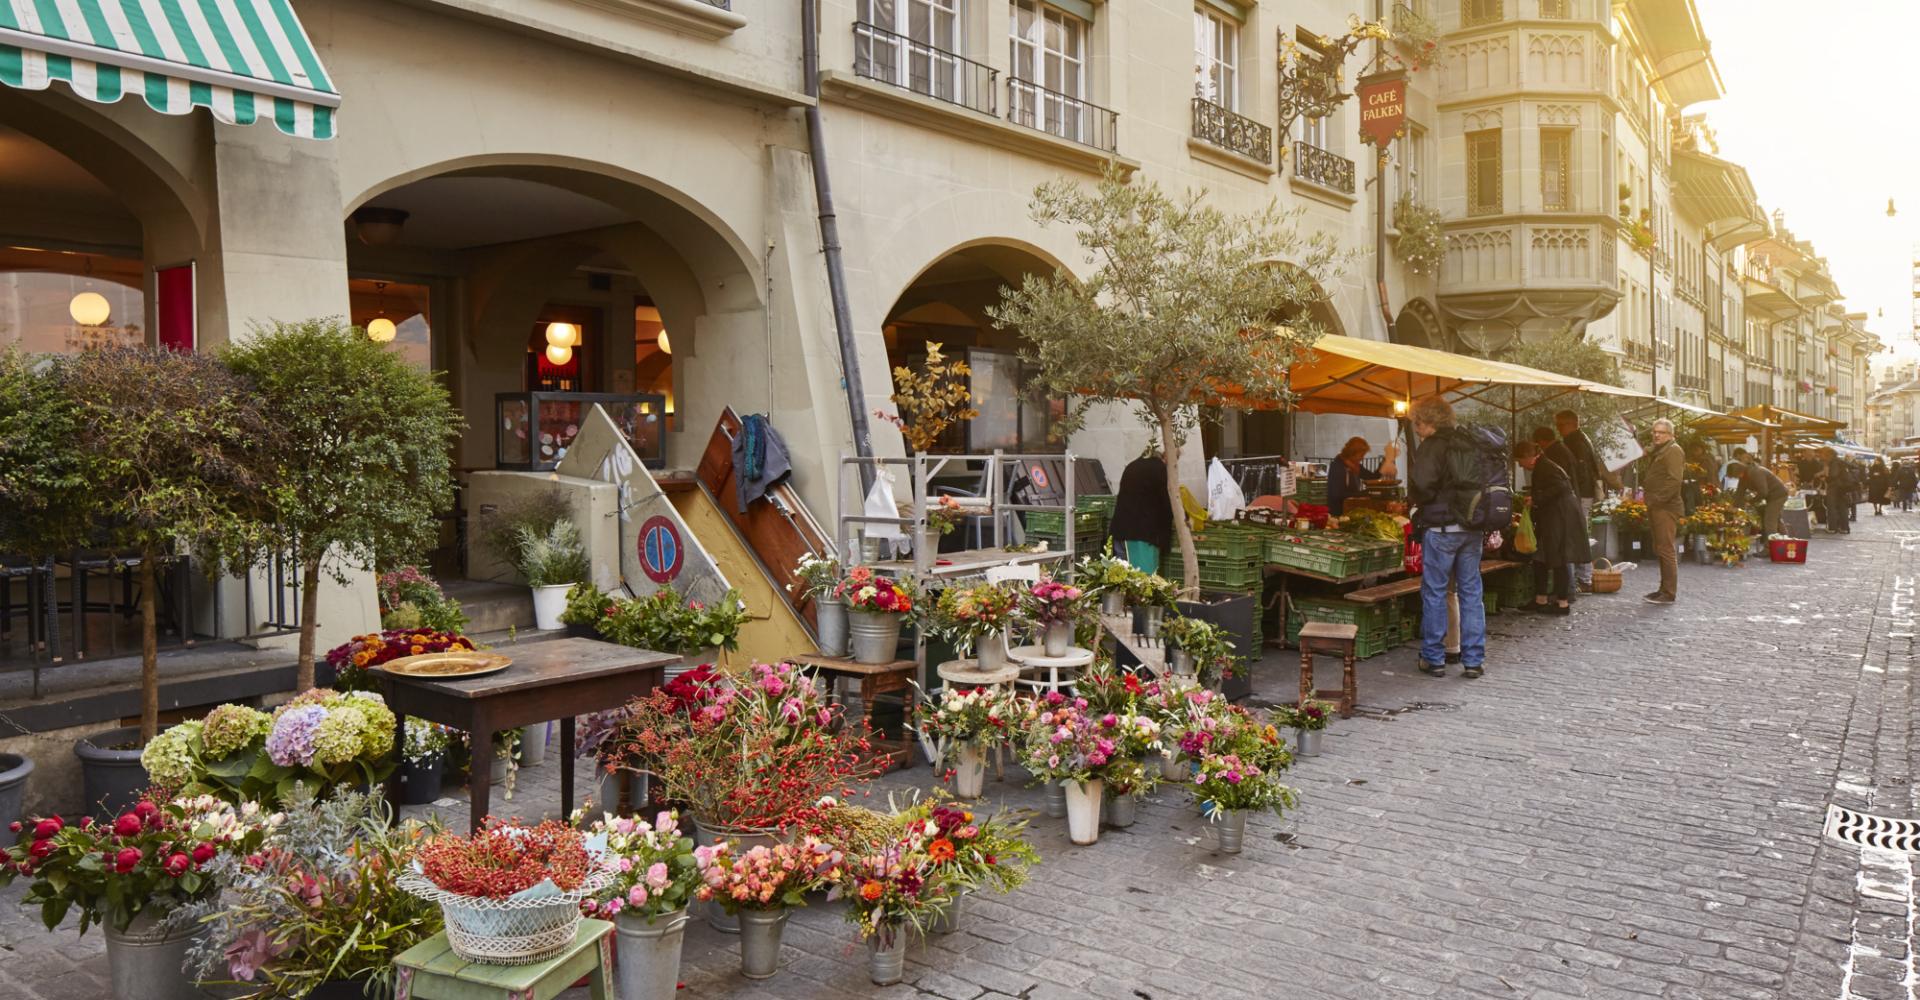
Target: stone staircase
{"x": 492, "y": 607}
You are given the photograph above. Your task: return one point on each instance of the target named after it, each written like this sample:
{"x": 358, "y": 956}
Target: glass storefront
{"x": 57, "y": 302}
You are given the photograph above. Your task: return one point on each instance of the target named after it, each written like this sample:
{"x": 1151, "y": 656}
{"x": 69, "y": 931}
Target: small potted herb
{"x": 552, "y": 562}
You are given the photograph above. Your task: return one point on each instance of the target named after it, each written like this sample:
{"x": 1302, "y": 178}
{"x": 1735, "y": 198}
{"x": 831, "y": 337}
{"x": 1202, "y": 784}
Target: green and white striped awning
{"x": 242, "y": 60}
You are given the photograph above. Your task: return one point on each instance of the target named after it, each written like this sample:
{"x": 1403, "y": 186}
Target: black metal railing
{"x": 1234, "y": 133}
{"x": 1317, "y": 166}
{"x": 879, "y": 54}
{"x": 1055, "y": 113}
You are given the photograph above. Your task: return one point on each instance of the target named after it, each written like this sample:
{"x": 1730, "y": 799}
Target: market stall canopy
{"x": 242, "y": 60}
{"x": 1723, "y": 428}
{"x": 1791, "y": 421}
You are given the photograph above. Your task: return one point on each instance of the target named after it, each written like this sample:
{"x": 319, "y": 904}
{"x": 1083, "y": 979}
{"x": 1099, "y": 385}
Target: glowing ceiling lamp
{"x": 381, "y": 330}
{"x": 559, "y": 354}
{"x": 89, "y": 309}
{"x": 666, "y": 347}
{"x": 563, "y": 335}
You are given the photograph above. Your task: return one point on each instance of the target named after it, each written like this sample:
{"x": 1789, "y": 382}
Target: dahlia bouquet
{"x": 1063, "y": 743}
{"x": 766, "y": 878}
{"x": 656, "y": 871}
{"x": 1050, "y": 602}
{"x": 895, "y": 887}
{"x": 353, "y": 661}
{"x": 865, "y": 590}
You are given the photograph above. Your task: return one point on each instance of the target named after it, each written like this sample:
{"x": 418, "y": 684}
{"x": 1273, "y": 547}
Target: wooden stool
{"x": 1330, "y": 640}
{"x": 431, "y": 971}
{"x": 875, "y": 679}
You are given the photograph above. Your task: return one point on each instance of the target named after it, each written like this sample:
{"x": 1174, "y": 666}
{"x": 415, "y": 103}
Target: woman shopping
{"x": 1347, "y": 479}
{"x": 1879, "y": 486}
{"x": 1559, "y": 528}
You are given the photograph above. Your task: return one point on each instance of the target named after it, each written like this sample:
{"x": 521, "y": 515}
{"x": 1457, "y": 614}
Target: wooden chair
{"x": 1326, "y": 639}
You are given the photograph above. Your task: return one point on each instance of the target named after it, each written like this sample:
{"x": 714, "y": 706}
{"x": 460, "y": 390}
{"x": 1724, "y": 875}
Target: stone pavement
{"x": 1629, "y": 804}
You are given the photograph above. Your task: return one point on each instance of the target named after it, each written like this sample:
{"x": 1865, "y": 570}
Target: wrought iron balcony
{"x": 1055, "y": 113}
{"x": 879, "y": 54}
{"x": 1317, "y": 166}
{"x": 1231, "y": 132}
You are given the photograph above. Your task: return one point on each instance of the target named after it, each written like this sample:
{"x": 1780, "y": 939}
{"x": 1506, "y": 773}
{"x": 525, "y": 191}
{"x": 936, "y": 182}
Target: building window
{"x": 1556, "y": 155}
{"x": 1474, "y": 12}
{"x": 1483, "y": 172}
{"x": 1412, "y": 155}
{"x": 1556, "y": 9}
{"x": 1049, "y": 70}
{"x": 1313, "y": 132}
{"x": 917, "y": 46}
{"x": 1216, "y": 54}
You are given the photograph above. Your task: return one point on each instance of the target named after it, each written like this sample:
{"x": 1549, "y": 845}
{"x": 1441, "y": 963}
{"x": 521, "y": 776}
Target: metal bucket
{"x": 648, "y": 967}
{"x": 1059, "y": 639}
{"x": 716, "y": 915}
{"x": 1307, "y": 742}
{"x": 144, "y": 961}
{"x": 887, "y": 956}
{"x": 990, "y": 651}
{"x": 760, "y": 932}
{"x": 1231, "y": 828}
{"x": 1056, "y": 805}
{"x": 1113, "y": 602}
{"x": 831, "y": 624}
{"x": 1150, "y": 621}
{"x": 1122, "y": 810}
{"x": 949, "y": 918}
{"x": 873, "y": 637}
{"x": 1171, "y": 769}
{"x": 1180, "y": 662}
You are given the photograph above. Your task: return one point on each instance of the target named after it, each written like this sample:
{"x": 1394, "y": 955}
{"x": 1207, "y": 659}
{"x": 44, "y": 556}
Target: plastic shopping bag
{"x": 1225, "y": 498}
{"x": 1525, "y": 541}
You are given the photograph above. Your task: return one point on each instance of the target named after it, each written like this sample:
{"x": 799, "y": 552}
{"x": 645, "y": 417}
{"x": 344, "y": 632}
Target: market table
{"x": 555, "y": 679}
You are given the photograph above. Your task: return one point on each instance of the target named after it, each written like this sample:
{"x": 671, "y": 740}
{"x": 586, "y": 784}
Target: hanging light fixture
{"x": 665, "y": 346}
{"x": 559, "y": 354}
{"x": 563, "y": 335}
{"x": 380, "y": 329}
{"x": 89, "y": 308}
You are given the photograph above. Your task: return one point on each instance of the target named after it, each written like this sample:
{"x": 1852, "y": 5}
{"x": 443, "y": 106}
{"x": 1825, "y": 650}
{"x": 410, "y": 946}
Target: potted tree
{"x": 373, "y": 468}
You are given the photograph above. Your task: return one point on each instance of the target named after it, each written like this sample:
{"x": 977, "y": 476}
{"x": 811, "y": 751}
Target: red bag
{"x": 1412, "y": 563}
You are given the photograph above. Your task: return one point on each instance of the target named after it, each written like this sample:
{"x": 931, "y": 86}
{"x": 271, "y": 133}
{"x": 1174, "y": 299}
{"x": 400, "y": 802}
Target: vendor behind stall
{"x": 1759, "y": 482}
{"x": 1142, "y": 525}
{"x": 1347, "y": 479}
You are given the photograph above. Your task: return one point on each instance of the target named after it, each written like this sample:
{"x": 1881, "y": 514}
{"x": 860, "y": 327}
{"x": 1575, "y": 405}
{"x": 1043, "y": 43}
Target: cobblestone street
{"x": 1629, "y": 804}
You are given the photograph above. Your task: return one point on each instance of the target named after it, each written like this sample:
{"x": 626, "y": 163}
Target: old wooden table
{"x": 556, "y": 679}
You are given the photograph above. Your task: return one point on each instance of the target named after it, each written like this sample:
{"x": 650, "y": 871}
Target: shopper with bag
{"x": 1559, "y": 530}
{"x": 1458, "y": 485}
{"x": 1346, "y": 478}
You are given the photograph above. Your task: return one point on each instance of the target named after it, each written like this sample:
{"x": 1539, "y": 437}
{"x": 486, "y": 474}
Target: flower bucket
{"x": 533, "y": 744}
{"x": 990, "y": 651}
{"x": 874, "y": 637}
{"x": 760, "y": 932}
{"x": 14, "y": 772}
{"x": 609, "y": 788}
{"x": 420, "y": 781}
{"x": 1122, "y": 809}
{"x": 1058, "y": 639}
{"x": 1180, "y": 663}
{"x": 1150, "y": 619}
{"x": 1113, "y": 602}
{"x": 949, "y": 918}
{"x": 969, "y": 770}
{"x": 548, "y": 605}
{"x": 1231, "y": 829}
{"x": 830, "y": 618}
{"x": 887, "y": 956}
{"x": 144, "y": 961}
{"x": 930, "y": 543}
{"x": 648, "y": 967}
{"x": 1171, "y": 769}
{"x": 1083, "y": 810}
{"x": 1307, "y": 742}
{"x": 706, "y": 836}
{"x": 1056, "y": 801}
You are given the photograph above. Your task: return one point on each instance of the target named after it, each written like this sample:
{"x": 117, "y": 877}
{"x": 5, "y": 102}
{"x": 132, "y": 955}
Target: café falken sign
{"x": 1383, "y": 107}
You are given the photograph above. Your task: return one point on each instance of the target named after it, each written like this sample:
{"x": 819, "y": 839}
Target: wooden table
{"x": 875, "y": 679}
{"x": 555, "y": 679}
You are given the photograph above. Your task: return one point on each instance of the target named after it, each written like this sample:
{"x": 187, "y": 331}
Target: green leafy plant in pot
{"x": 552, "y": 562}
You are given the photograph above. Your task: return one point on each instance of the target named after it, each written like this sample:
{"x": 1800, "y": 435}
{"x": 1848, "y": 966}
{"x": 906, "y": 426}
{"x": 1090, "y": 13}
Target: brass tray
{"x": 453, "y": 665}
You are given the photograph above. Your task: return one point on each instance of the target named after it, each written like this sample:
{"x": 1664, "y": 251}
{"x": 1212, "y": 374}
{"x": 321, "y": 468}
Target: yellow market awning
{"x": 242, "y": 60}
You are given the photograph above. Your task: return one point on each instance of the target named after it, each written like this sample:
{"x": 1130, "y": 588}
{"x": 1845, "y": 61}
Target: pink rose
{"x": 637, "y": 896}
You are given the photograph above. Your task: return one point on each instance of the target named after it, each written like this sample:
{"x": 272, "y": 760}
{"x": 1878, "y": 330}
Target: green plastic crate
{"x": 1098, "y": 503}
{"x": 1368, "y": 643}
{"x": 1050, "y": 525}
{"x": 1344, "y": 612}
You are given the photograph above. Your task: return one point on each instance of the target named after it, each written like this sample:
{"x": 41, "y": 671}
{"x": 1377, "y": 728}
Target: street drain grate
{"x": 1863, "y": 830}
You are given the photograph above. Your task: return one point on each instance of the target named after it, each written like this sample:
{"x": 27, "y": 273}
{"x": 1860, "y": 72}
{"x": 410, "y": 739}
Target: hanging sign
{"x": 1383, "y": 107}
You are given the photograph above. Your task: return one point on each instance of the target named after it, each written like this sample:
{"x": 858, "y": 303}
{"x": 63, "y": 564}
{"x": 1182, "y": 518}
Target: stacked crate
{"x": 1232, "y": 556}
{"x": 1380, "y": 627}
{"x": 1050, "y": 526}
{"x": 1332, "y": 553}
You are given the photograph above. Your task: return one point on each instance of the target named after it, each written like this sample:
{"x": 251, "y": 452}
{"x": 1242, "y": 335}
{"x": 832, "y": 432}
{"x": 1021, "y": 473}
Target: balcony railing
{"x": 1233, "y": 133}
{"x": 1055, "y": 113}
{"x": 1317, "y": 166}
{"x": 879, "y": 54}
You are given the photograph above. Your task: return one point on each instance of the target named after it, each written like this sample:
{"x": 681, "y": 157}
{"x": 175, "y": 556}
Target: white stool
{"x": 1033, "y": 659}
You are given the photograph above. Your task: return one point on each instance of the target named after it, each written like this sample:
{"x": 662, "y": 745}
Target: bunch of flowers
{"x": 663, "y": 621}
{"x": 1107, "y": 688}
{"x": 410, "y": 599}
{"x": 1063, "y": 743}
{"x": 965, "y": 615}
{"x": 766, "y": 878}
{"x": 1151, "y": 590}
{"x": 964, "y": 715}
{"x": 353, "y": 661}
{"x": 188, "y": 757}
{"x": 1240, "y": 767}
{"x": 1105, "y": 573}
{"x": 904, "y": 866}
{"x": 757, "y": 749}
{"x": 1311, "y": 717}
{"x": 1193, "y": 718}
{"x": 1630, "y": 515}
{"x": 972, "y": 851}
{"x": 815, "y": 576}
{"x": 1135, "y": 736}
{"x": 1721, "y": 516}
{"x": 865, "y": 590}
{"x": 945, "y": 515}
{"x": 1049, "y": 602}
{"x": 502, "y": 859}
{"x": 148, "y": 859}
{"x": 332, "y": 738}
{"x": 895, "y": 886}
{"x": 1206, "y": 643}
{"x": 656, "y": 871}
{"x": 426, "y": 741}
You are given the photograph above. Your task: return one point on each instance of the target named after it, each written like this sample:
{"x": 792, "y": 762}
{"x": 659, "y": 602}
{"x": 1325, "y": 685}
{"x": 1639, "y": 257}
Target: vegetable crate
{"x": 1514, "y": 586}
{"x": 1339, "y": 611}
{"x": 1787, "y": 550}
{"x": 1096, "y": 503}
{"x": 1051, "y": 526}
{"x": 1310, "y": 491}
{"x": 1332, "y": 553}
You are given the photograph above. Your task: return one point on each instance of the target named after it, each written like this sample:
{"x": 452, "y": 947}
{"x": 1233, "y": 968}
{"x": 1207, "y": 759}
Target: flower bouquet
{"x": 1199, "y": 649}
{"x": 816, "y": 578}
{"x": 944, "y": 515}
{"x": 876, "y": 606}
{"x": 323, "y": 737}
{"x": 1055, "y": 609}
{"x": 1630, "y": 515}
{"x": 410, "y": 600}
{"x": 1728, "y": 528}
{"x": 963, "y": 727}
{"x": 655, "y": 875}
{"x": 353, "y": 661}
{"x": 1109, "y": 577}
{"x": 966, "y": 615}
{"x": 511, "y": 894}
{"x": 1308, "y": 721}
{"x": 761, "y": 886}
{"x": 1136, "y": 737}
{"x": 1238, "y": 771}
{"x": 1063, "y": 745}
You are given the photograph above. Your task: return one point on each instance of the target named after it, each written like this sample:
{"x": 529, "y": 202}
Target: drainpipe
{"x": 830, "y": 243}
{"x": 1380, "y": 196}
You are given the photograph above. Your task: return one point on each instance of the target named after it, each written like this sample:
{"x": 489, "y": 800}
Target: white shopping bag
{"x": 1225, "y": 498}
{"x": 880, "y": 504}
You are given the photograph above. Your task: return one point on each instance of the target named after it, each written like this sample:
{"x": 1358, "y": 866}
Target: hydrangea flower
{"x": 290, "y": 742}
{"x": 229, "y": 729}
{"x": 337, "y": 739}
{"x": 169, "y": 758}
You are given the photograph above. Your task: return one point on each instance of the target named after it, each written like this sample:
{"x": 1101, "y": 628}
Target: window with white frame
{"x": 917, "y": 45}
{"x": 1216, "y": 54}
{"x": 1412, "y": 156}
{"x": 1049, "y": 69}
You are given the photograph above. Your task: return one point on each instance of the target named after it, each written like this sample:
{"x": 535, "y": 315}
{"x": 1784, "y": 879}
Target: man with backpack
{"x": 1458, "y": 485}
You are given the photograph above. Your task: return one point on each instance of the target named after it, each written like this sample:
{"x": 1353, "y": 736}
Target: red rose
{"x": 203, "y": 853}
{"x": 127, "y": 859}
{"x": 128, "y": 825}
{"x": 146, "y": 809}
{"x": 177, "y": 865}
{"x": 47, "y": 828}
{"x": 40, "y": 849}
{"x": 14, "y": 826}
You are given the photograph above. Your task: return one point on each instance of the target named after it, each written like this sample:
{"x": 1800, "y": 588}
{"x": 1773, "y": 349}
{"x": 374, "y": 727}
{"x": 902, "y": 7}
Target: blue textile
{"x": 1452, "y": 558}
{"x": 1145, "y": 556}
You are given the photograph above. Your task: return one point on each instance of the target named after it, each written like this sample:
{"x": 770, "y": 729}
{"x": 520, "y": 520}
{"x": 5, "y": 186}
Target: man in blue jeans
{"x": 1450, "y": 553}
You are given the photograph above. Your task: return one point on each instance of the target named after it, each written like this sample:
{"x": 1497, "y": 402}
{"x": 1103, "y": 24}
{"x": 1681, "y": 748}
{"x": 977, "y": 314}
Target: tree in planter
{"x": 1179, "y": 307}
{"x": 370, "y": 464}
{"x": 44, "y": 492}
{"x": 1562, "y": 354}
{"x": 173, "y": 447}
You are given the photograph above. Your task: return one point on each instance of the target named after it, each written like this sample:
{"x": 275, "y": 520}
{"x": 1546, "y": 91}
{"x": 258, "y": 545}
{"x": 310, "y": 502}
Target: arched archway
{"x": 1418, "y": 325}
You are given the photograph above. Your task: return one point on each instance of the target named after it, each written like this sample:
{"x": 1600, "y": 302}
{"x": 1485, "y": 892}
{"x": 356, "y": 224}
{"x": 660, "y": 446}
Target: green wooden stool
{"x": 431, "y": 971}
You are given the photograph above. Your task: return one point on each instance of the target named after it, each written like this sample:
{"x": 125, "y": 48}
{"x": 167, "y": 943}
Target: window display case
{"x": 536, "y": 428}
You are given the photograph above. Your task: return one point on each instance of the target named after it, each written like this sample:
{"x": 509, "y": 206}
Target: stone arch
{"x": 1418, "y": 325}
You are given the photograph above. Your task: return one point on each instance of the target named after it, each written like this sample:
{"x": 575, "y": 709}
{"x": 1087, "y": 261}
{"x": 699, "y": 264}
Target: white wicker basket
{"x": 509, "y": 931}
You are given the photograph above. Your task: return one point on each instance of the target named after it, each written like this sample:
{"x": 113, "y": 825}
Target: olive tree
{"x": 1178, "y": 309}
{"x": 368, "y": 468}
{"x": 172, "y": 448}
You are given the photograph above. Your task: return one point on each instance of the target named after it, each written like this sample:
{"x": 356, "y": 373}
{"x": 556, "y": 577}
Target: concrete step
{"x": 490, "y": 606}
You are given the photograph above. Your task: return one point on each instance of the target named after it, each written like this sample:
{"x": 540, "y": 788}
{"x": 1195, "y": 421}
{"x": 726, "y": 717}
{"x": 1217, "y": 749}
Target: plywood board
{"x": 773, "y": 630}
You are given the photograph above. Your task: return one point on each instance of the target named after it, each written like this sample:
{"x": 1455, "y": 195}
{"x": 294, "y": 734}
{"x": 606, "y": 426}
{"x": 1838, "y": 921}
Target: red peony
{"x": 46, "y": 827}
{"x": 127, "y": 860}
{"x": 146, "y": 810}
{"x": 128, "y": 825}
{"x": 40, "y": 849}
{"x": 177, "y": 865}
{"x": 203, "y": 853}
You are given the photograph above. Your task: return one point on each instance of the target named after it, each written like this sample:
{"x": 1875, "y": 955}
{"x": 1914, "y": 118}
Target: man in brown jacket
{"x": 1666, "y": 469}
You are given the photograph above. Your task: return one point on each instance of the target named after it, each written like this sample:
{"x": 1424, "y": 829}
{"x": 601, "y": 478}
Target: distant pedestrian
{"x": 1836, "y": 481}
{"x": 1449, "y": 550}
{"x": 1559, "y": 527}
{"x": 1905, "y": 481}
{"x": 1142, "y": 524}
{"x": 1666, "y": 472}
{"x": 1758, "y": 481}
{"x": 1590, "y": 480}
{"x": 1879, "y": 487}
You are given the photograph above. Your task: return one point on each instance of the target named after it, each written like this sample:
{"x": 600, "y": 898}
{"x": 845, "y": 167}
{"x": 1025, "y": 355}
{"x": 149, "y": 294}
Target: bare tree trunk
{"x": 1182, "y": 533}
{"x": 149, "y": 652}
{"x": 309, "y": 610}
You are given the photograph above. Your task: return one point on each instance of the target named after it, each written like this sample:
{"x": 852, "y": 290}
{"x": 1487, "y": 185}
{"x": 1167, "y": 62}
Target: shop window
{"x": 1484, "y": 172}
{"x": 1012, "y": 417}
{"x": 397, "y": 314}
{"x": 54, "y": 302}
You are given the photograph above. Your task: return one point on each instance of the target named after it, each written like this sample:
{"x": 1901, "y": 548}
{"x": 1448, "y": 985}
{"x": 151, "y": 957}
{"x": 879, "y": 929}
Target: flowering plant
{"x": 426, "y": 741}
{"x": 865, "y": 590}
{"x": 816, "y": 576}
{"x": 410, "y": 599}
{"x": 1240, "y": 766}
{"x": 585, "y": 604}
{"x": 1151, "y": 590}
{"x": 766, "y": 878}
{"x": 149, "y": 859}
{"x": 353, "y": 661}
{"x": 964, "y": 715}
{"x": 1063, "y": 743}
{"x": 1049, "y": 602}
{"x": 325, "y": 737}
{"x": 1107, "y": 688}
{"x": 944, "y": 515}
{"x": 663, "y": 621}
{"x": 1105, "y": 572}
{"x": 1206, "y": 643}
{"x": 655, "y": 868}
{"x": 965, "y": 615}
{"x": 1135, "y": 736}
{"x": 502, "y": 859}
{"x": 320, "y": 901}
{"x": 1630, "y": 515}
{"x": 1312, "y": 716}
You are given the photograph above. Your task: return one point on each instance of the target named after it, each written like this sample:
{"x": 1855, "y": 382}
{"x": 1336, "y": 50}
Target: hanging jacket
{"x": 760, "y": 460}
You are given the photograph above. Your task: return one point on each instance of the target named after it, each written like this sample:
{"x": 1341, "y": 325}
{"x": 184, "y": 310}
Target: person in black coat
{"x": 1558, "y": 527}
{"x": 1591, "y": 480}
{"x": 1142, "y": 525}
{"x": 1905, "y": 479}
{"x": 1879, "y": 487}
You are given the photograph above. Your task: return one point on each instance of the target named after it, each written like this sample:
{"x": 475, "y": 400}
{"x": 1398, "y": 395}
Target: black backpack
{"x": 1479, "y": 491}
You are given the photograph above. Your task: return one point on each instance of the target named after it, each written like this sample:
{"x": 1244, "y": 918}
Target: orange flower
{"x": 418, "y": 649}
{"x": 941, "y": 849}
{"x": 872, "y": 891}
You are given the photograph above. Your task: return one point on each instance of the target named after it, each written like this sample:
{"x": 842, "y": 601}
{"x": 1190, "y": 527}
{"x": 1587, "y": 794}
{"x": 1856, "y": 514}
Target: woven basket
{"x": 509, "y": 931}
{"x": 1606, "y": 580}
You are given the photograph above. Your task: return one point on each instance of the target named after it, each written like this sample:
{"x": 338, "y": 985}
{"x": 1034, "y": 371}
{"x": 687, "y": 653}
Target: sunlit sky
{"x": 1819, "y": 111}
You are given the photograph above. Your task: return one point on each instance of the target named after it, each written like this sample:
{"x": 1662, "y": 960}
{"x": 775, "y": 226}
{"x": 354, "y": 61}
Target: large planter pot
{"x": 14, "y": 772}
{"x": 969, "y": 770}
{"x": 1058, "y": 639}
{"x": 1083, "y": 810}
{"x": 760, "y": 932}
{"x": 549, "y": 603}
{"x": 1113, "y": 602}
{"x": 874, "y": 637}
{"x": 887, "y": 956}
{"x": 1056, "y": 801}
{"x": 533, "y": 744}
{"x": 1231, "y": 829}
{"x": 1307, "y": 741}
{"x": 1122, "y": 809}
{"x": 144, "y": 961}
{"x": 990, "y": 651}
{"x": 1239, "y": 616}
{"x": 648, "y": 967}
{"x": 930, "y": 543}
{"x": 830, "y": 626}
{"x": 420, "y": 781}
{"x": 111, "y": 779}
{"x": 703, "y": 835}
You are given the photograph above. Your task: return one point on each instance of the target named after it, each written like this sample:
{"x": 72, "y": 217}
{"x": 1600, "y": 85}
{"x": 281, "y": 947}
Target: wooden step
{"x": 492, "y": 606}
